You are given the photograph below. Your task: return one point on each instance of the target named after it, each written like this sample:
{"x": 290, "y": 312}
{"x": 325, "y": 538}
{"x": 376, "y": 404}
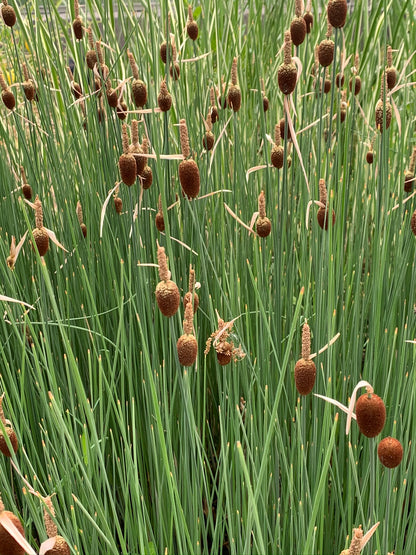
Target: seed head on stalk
{"x": 91, "y": 55}
{"x": 298, "y": 25}
{"x": 277, "y": 154}
{"x": 167, "y": 292}
{"x": 127, "y": 162}
{"x": 28, "y": 84}
{"x": 55, "y": 544}
{"x": 40, "y": 233}
{"x": 391, "y": 72}
{"x": 305, "y": 369}
{"x": 326, "y": 49}
{"x": 6, "y": 93}
{"x": 287, "y": 73}
{"x": 383, "y": 107}
{"x": 77, "y": 23}
{"x": 9, "y": 431}
{"x": 322, "y": 214}
{"x": 138, "y": 87}
{"x": 234, "y": 92}
{"x": 208, "y": 139}
{"x": 223, "y": 344}
{"x": 12, "y": 535}
{"x": 191, "y": 25}
{"x": 8, "y": 14}
{"x": 187, "y": 345}
{"x": 308, "y": 17}
{"x": 337, "y": 12}
{"x": 263, "y": 224}
{"x": 355, "y": 81}
{"x": 409, "y": 174}
{"x": 188, "y": 170}
{"x": 164, "y": 98}
{"x": 191, "y": 296}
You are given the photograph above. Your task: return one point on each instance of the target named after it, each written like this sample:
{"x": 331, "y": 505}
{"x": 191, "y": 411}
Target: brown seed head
{"x": 323, "y": 218}
{"x": 371, "y": 414}
{"x": 164, "y": 52}
{"x": 187, "y": 347}
{"x": 214, "y": 114}
{"x": 390, "y": 452}
{"x": 337, "y": 12}
{"x": 413, "y": 223}
{"x": 224, "y": 352}
{"x": 263, "y": 226}
{"x": 191, "y": 26}
{"x": 8, "y": 99}
{"x": 282, "y": 130}
{"x": 369, "y": 157}
{"x": 326, "y": 52}
{"x": 265, "y": 103}
{"x": 139, "y": 93}
{"x": 298, "y": 30}
{"x": 48, "y": 517}
{"x": 234, "y": 97}
{"x": 164, "y": 98}
{"x": 160, "y": 221}
{"x": 91, "y": 58}
{"x": 355, "y": 84}
{"x": 208, "y": 140}
{"x": 60, "y": 548}
{"x": 339, "y": 80}
{"x": 305, "y": 374}
{"x": 356, "y": 542}
{"x": 175, "y": 70}
{"x": 184, "y": 140}
{"x": 118, "y": 204}
{"x": 287, "y": 72}
{"x": 27, "y": 191}
{"x": 41, "y": 240}
{"x": 379, "y": 115}
{"x": 327, "y": 85}
{"x": 189, "y": 178}
{"x": 8, "y": 545}
{"x": 308, "y": 17}
{"x": 11, "y": 434}
{"x": 167, "y": 297}
{"x": 128, "y": 169}
{"x": 277, "y": 156}
{"x": 8, "y": 14}
{"x": 408, "y": 181}
{"x": 78, "y": 28}
{"x": 146, "y": 177}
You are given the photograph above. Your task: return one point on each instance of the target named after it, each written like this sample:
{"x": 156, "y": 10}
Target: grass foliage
{"x": 140, "y": 454}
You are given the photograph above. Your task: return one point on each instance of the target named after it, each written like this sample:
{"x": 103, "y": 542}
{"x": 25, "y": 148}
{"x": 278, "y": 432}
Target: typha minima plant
{"x": 305, "y": 369}
{"x": 8, "y": 14}
{"x": 118, "y": 203}
{"x": 136, "y": 149}
{"x": 337, "y": 12}
{"x": 383, "y": 108}
{"x": 371, "y": 413}
{"x": 127, "y": 161}
{"x": 298, "y": 25}
{"x": 287, "y": 72}
{"x": 390, "y": 452}
{"x": 55, "y": 544}
{"x": 359, "y": 540}
{"x": 355, "y": 80}
{"x": 101, "y": 69}
{"x": 264, "y": 97}
{"x": 146, "y": 174}
{"x": 370, "y": 153}
{"x": 409, "y": 174}
{"x": 28, "y": 84}
{"x": 188, "y": 170}
{"x": 308, "y": 16}
{"x": 80, "y": 217}
{"x": 277, "y": 154}
{"x": 91, "y": 55}
{"x": 26, "y": 188}
{"x": 9, "y": 432}
{"x": 159, "y": 219}
{"x": 263, "y": 224}
{"x": 6, "y": 94}
{"x": 223, "y": 343}
{"x": 164, "y": 98}
{"x": 174, "y": 69}
{"x": 187, "y": 345}
{"x": 326, "y": 48}
{"x": 322, "y": 214}
{"x": 167, "y": 292}
{"x": 191, "y": 25}
{"x": 165, "y": 50}
{"x": 208, "y": 138}
{"x": 138, "y": 87}
{"x": 234, "y": 92}
{"x": 213, "y": 109}
{"x": 344, "y": 106}
{"x": 191, "y": 296}
{"x": 75, "y": 87}
{"x": 41, "y": 234}
{"x": 77, "y": 25}
{"x": 391, "y": 72}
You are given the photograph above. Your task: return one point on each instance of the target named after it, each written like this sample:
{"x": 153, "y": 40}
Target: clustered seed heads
{"x": 326, "y": 49}
{"x": 322, "y": 214}
{"x": 187, "y": 345}
{"x": 8, "y": 14}
{"x": 191, "y": 25}
{"x": 6, "y": 94}
{"x": 409, "y": 174}
{"x": 8, "y": 545}
{"x": 383, "y": 108}
{"x": 127, "y": 162}
{"x": 390, "y": 452}
{"x": 287, "y": 72}
{"x": 223, "y": 344}
{"x": 371, "y": 413}
{"x": 11, "y": 434}
{"x": 164, "y": 98}
{"x": 337, "y": 12}
{"x": 263, "y": 224}
{"x": 167, "y": 292}
{"x": 188, "y": 170}
{"x": 298, "y": 25}
{"x": 234, "y": 92}
{"x": 305, "y": 369}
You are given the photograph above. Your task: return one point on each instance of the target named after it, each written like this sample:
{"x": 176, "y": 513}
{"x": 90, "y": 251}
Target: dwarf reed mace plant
{"x": 138, "y": 452}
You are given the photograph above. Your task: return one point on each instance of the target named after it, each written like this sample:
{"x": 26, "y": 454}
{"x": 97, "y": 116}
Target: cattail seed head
{"x": 164, "y": 98}
{"x": 323, "y": 218}
{"x": 380, "y": 112}
{"x": 160, "y": 221}
{"x": 60, "y": 548}
{"x": 287, "y": 72}
{"x": 121, "y": 110}
{"x": 262, "y": 205}
{"x": 308, "y": 17}
{"x": 139, "y": 93}
{"x": 146, "y": 177}
{"x": 78, "y": 28}
{"x": 175, "y": 70}
{"x": 391, "y": 72}
{"x": 11, "y": 434}
{"x": 167, "y": 297}
{"x": 118, "y": 204}
{"x": 326, "y": 52}
{"x": 327, "y": 85}
{"x": 8, "y": 545}
{"x": 214, "y": 114}
{"x": 277, "y": 156}
{"x": 191, "y": 26}
{"x": 224, "y": 352}
{"x": 282, "y": 130}
{"x": 369, "y": 157}
{"x": 208, "y": 140}
{"x": 390, "y": 452}
{"x": 27, "y": 191}
{"x": 112, "y": 96}
{"x": 265, "y": 103}
{"x": 408, "y": 181}
{"x": 263, "y": 226}
{"x": 234, "y": 97}
{"x": 339, "y": 80}
{"x": 355, "y": 84}
{"x": 371, "y": 414}
{"x": 305, "y": 374}
{"x": 413, "y": 223}
{"x": 184, "y": 140}
{"x": 41, "y": 238}
{"x": 163, "y": 50}
{"x": 337, "y": 12}
{"x": 128, "y": 168}
{"x": 298, "y": 30}
{"x": 8, "y": 14}
{"x": 191, "y": 296}
{"x": 8, "y": 99}
{"x": 189, "y": 178}
{"x": 187, "y": 347}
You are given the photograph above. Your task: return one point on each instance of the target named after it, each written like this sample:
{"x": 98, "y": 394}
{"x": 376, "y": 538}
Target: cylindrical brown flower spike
{"x": 11, "y": 434}
{"x": 28, "y": 84}
{"x": 322, "y": 214}
{"x": 8, "y": 14}
{"x": 192, "y": 25}
{"x": 188, "y": 170}
{"x": 26, "y": 188}
{"x": 277, "y": 154}
{"x": 159, "y": 220}
{"x": 409, "y": 175}
{"x": 263, "y": 224}
{"x": 234, "y": 92}
{"x": 164, "y": 98}
{"x": 298, "y": 25}
{"x": 77, "y": 23}
{"x": 8, "y": 545}
{"x": 371, "y": 413}
{"x": 91, "y": 55}
{"x": 39, "y": 233}
{"x": 127, "y": 162}
{"x": 390, "y": 452}
{"x": 167, "y": 292}
{"x": 337, "y": 12}
{"x": 287, "y": 72}
{"x": 305, "y": 369}
{"x": 383, "y": 107}
{"x": 190, "y": 294}
{"x": 187, "y": 345}
{"x": 138, "y": 87}
{"x": 391, "y": 72}
{"x": 6, "y": 94}
{"x": 326, "y": 49}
